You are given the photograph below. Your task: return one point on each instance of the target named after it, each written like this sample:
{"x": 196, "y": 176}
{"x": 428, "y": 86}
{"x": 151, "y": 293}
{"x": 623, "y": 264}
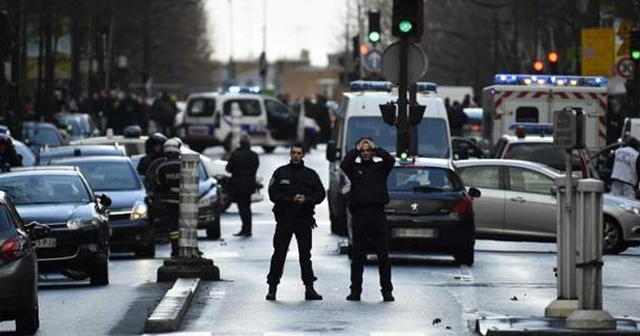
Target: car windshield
{"x": 542, "y": 153}
{"x": 107, "y": 176}
{"x": 423, "y": 179}
{"x": 433, "y": 139}
{"x": 42, "y": 189}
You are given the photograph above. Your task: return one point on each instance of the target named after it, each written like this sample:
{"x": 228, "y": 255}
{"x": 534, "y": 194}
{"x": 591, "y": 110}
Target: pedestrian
{"x": 163, "y": 180}
{"x": 367, "y": 168}
{"x": 625, "y": 169}
{"x": 295, "y": 190}
{"x": 8, "y": 155}
{"x": 153, "y": 148}
{"x": 243, "y": 166}
{"x": 163, "y": 111}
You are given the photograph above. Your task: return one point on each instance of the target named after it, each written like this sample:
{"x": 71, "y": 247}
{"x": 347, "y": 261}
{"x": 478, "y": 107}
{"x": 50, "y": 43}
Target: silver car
{"x": 518, "y": 203}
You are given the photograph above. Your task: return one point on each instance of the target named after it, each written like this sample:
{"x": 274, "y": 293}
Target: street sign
{"x": 416, "y": 63}
{"x": 597, "y": 52}
{"x": 624, "y": 68}
{"x": 373, "y": 61}
{"x": 568, "y": 129}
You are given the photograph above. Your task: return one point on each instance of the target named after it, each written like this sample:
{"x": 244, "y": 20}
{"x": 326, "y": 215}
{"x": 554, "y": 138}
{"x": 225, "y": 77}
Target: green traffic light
{"x": 374, "y": 36}
{"x": 635, "y": 54}
{"x": 405, "y": 26}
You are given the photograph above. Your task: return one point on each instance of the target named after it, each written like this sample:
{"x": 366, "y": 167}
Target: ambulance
{"x": 535, "y": 98}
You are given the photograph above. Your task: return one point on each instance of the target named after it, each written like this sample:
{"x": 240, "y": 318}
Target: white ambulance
{"x": 535, "y": 98}
{"x": 359, "y": 115}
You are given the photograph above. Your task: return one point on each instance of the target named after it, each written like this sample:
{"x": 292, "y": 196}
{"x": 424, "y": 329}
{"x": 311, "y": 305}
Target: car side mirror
{"x": 332, "y": 151}
{"x": 474, "y": 193}
{"x": 554, "y": 191}
{"x": 105, "y": 200}
{"x": 37, "y": 231}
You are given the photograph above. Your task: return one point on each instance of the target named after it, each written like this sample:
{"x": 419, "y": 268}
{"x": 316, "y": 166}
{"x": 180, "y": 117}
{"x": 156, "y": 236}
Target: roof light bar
{"x": 371, "y": 86}
{"x": 582, "y": 81}
{"x": 427, "y": 87}
{"x": 533, "y": 128}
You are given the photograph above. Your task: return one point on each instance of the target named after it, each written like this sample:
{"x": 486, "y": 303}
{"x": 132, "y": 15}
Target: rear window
{"x": 543, "y": 153}
{"x": 201, "y": 107}
{"x": 423, "y": 179}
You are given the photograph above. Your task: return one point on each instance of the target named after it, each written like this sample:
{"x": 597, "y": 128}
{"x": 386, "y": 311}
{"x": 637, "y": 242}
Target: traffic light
{"x": 375, "y": 33}
{"x": 554, "y": 58}
{"x": 407, "y": 19}
{"x": 355, "y": 47}
{"x": 538, "y": 66}
{"x": 634, "y": 45}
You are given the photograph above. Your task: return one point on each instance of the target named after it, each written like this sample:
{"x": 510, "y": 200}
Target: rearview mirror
{"x": 474, "y": 193}
{"x": 105, "y": 200}
{"x": 554, "y": 191}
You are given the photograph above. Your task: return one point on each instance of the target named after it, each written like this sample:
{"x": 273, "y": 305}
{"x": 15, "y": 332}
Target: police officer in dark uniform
{"x": 368, "y": 167}
{"x": 153, "y": 150}
{"x": 243, "y": 166}
{"x": 8, "y": 155}
{"x": 295, "y": 190}
{"x": 163, "y": 179}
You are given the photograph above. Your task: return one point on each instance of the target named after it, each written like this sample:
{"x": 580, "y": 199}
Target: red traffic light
{"x": 538, "y": 66}
{"x": 553, "y": 57}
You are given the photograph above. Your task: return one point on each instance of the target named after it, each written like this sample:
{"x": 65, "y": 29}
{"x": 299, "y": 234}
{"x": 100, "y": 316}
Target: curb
{"x": 166, "y": 317}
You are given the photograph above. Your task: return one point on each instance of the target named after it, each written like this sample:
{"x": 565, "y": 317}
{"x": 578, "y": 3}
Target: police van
{"x": 359, "y": 115}
{"x": 207, "y": 120}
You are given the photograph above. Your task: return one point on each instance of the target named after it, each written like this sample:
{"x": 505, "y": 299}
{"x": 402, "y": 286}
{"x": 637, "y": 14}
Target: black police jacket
{"x": 368, "y": 178}
{"x": 145, "y": 162}
{"x": 243, "y": 165}
{"x": 290, "y": 180}
{"x": 163, "y": 179}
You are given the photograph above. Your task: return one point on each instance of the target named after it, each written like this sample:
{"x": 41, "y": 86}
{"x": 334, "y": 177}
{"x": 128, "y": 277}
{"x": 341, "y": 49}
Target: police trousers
{"x": 370, "y": 224}
{"x": 285, "y": 229}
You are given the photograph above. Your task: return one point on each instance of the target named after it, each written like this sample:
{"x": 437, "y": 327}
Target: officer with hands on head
{"x": 163, "y": 180}
{"x": 367, "y": 168}
{"x": 153, "y": 150}
{"x": 8, "y": 155}
{"x": 243, "y": 166}
{"x": 295, "y": 190}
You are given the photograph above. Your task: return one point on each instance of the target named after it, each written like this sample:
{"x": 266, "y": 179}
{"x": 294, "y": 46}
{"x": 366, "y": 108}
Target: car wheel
{"x": 613, "y": 242}
{"x": 268, "y": 149}
{"x": 465, "y": 255}
{"x": 213, "y": 232}
{"x": 147, "y": 251}
{"x": 100, "y": 272}
{"x": 27, "y": 322}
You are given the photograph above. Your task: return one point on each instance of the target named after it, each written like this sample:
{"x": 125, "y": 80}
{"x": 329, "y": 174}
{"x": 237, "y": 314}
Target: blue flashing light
{"x": 371, "y": 86}
{"x": 568, "y": 81}
{"x": 427, "y": 87}
{"x": 243, "y": 89}
{"x": 533, "y": 128}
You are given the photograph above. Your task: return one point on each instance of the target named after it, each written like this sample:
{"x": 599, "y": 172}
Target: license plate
{"x": 413, "y": 233}
{"x": 45, "y": 243}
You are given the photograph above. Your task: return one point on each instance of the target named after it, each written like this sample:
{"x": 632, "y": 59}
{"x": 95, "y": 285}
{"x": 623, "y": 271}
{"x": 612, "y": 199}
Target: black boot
{"x": 354, "y": 296}
{"x": 387, "y": 296}
{"x": 311, "y": 294}
{"x": 174, "y": 249}
{"x": 271, "y": 294}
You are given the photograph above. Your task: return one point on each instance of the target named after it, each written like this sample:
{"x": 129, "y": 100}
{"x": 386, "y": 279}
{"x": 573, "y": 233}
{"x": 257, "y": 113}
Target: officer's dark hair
{"x": 298, "y": 145}
{"x": 153, "y": 140}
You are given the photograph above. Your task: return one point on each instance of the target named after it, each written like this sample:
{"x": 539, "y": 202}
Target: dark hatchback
{"x": 430, "y": 209}
{"x": 61, "y": 198}
{"x": 116, "y": 177}
{"x": 18, "y": 268}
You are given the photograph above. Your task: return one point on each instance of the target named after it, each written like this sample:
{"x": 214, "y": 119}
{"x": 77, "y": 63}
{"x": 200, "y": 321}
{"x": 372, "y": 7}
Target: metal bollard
{"x": 566, "y": 301}
{"x": 589, "y": 263}
{"x": 188, "y": 224}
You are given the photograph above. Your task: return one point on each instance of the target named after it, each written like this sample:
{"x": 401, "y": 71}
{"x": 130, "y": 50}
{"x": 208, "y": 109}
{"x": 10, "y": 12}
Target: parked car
{"x": 60, "y": 197}
{"x": 116, "y": 177}
{"x": 77, "y": 125}
{"x": 42, "y": 134}
{"x": 19, "y": 268}
{"x": 430, "y": 209}
{"x": 131, "y": 140}
{"x": 48, "y": 154}
{"x": 209, "y": 196}
{"x": 27, "y": 154}
{"x": 518, "y": 203}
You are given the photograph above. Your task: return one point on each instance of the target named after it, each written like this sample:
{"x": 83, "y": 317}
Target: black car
{"x": 116, "y": 177}
{"x": 18, "y": 268}
{"x": 61, "y": 198}
{"x": 430, "y": 210}
{"x": 48, "y": 154}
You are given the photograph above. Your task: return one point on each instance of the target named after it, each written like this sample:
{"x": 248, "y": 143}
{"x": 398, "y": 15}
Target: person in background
{"x": 625, "y": 169}
{"x": 243, "y": 166}
{"x": 295, "y": 190}
{"x": 368, "y": 167}
{"x": 153, "y": 150}
{"x": 8, "y": 155}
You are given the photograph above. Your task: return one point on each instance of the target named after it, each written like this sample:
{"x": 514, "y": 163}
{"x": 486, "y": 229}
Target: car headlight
{"x": 79, "y": 223}
{"x": 208, "y": 200}
{"x": 139, "y": 211}
{"x": 630, "y": 208}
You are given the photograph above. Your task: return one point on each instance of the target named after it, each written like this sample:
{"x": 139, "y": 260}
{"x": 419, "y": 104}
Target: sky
{"x": 292, "y": 25}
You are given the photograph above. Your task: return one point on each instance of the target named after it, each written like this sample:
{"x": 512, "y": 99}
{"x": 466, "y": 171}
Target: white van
{"x": 359, "y": 115}
{"x": 269, "y": 122}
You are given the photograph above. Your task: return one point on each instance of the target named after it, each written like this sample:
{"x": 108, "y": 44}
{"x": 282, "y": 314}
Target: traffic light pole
{"x": 403, "y": 142}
